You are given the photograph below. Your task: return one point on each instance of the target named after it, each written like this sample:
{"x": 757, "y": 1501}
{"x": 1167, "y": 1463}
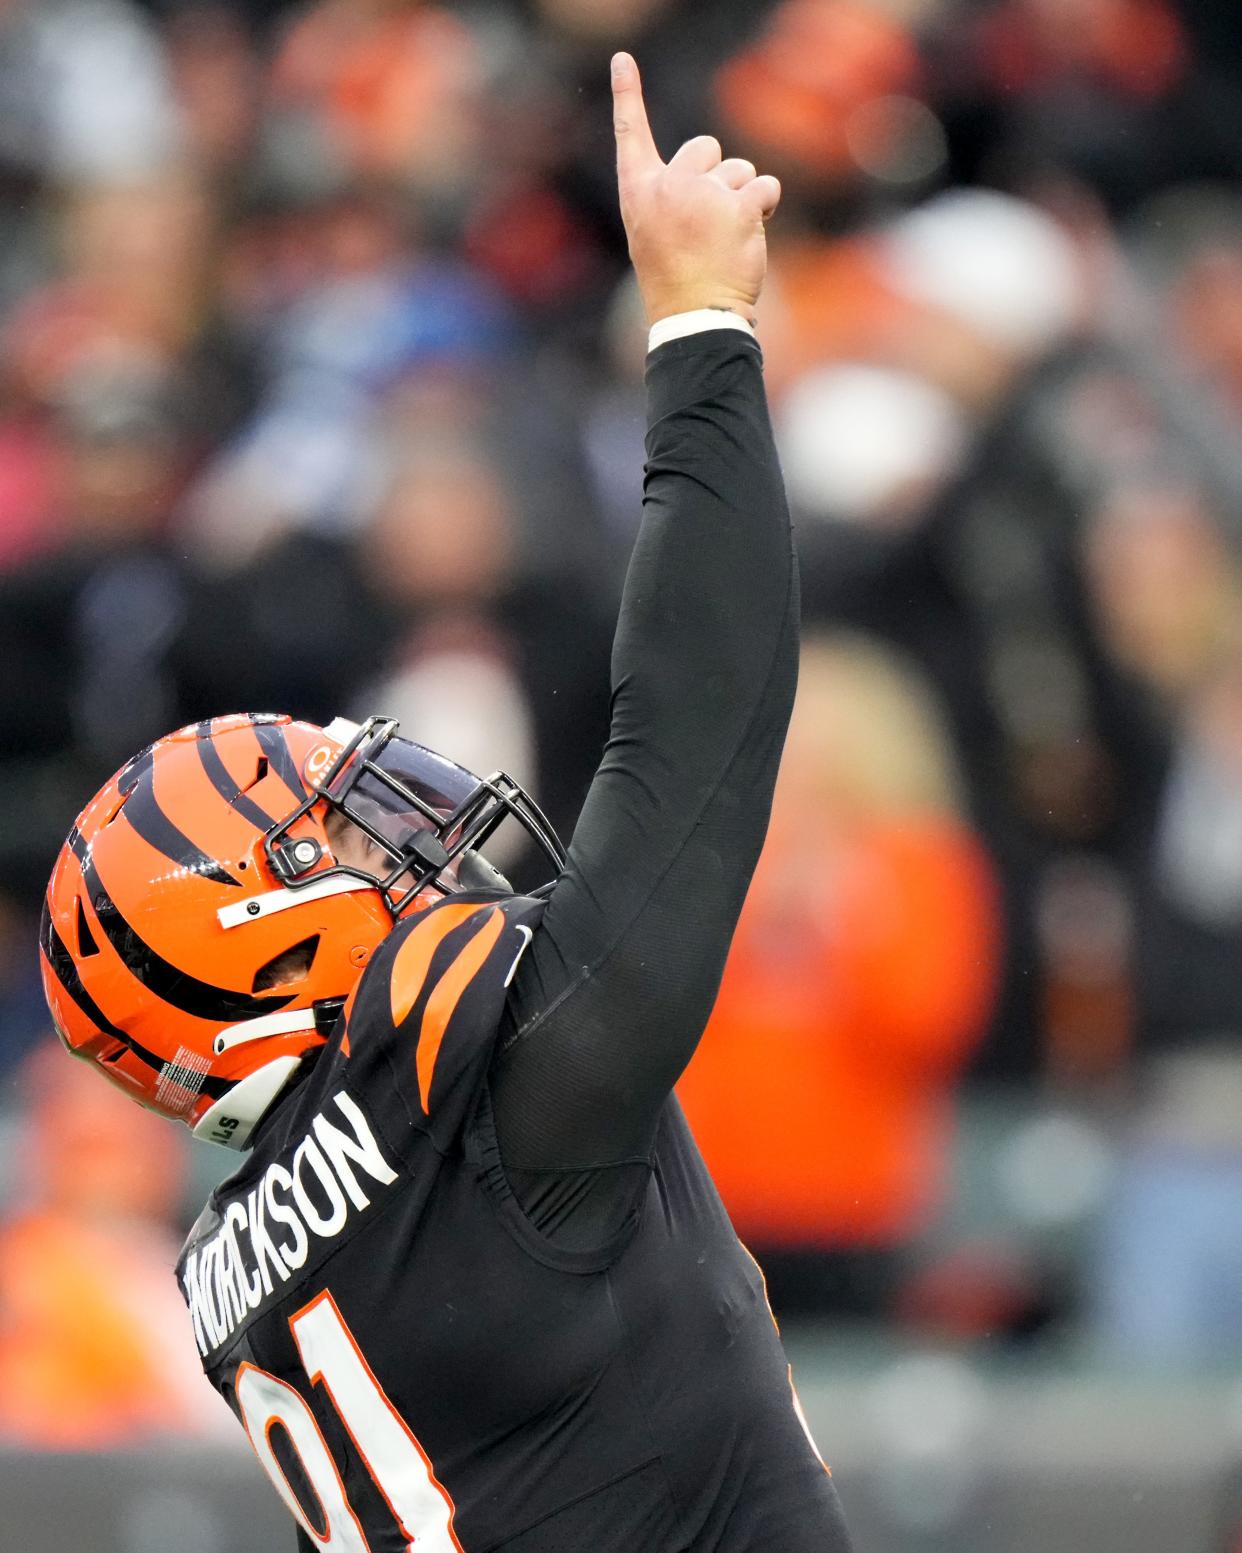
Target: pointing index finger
{"x": 636, "y": 150}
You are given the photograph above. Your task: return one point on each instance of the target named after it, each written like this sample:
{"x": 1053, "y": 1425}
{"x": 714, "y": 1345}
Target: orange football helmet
{"x": 200, "y": 936}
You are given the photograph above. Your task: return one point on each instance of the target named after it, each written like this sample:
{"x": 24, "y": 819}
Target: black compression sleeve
{"x": 612, "y": 996}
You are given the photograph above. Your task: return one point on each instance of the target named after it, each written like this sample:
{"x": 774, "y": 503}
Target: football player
{"x": 471, "y": 1287}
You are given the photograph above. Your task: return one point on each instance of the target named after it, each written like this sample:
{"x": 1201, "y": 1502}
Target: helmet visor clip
{"x": 296, "y": 856}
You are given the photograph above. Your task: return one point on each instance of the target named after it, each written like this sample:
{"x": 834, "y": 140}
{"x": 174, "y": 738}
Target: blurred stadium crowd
{"x": 321, "y": 391}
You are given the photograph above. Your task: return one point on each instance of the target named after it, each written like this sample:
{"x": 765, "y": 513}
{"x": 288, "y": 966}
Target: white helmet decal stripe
{"x": 283, "y": 899}
{"x": 283, "y": 1023}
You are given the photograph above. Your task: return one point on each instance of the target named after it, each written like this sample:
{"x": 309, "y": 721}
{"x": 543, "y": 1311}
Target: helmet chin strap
{"x": 233, "y": 1117}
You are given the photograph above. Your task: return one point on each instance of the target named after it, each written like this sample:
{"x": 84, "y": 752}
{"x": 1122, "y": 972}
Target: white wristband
{"x": 678, "y": 325}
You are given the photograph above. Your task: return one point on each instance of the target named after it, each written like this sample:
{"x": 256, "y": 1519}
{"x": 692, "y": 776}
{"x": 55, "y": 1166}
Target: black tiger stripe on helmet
{"x": 66, "y": 973}
{"x": 143, "y": 813}
{"x": 177, "y": 987}
{"x": 218, "y": 775}
{"x": 272, "y": 741}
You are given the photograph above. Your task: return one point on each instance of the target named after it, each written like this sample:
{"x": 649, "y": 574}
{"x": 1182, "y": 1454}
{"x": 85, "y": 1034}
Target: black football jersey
{"x": 418, "y": 1367}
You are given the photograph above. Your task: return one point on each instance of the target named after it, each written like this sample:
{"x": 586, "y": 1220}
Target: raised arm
{"x": 613, "y": 995}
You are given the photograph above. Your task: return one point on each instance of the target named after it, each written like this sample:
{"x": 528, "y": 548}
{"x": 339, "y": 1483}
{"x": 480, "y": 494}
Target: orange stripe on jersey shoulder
{"x": 413, "y": 960}
{"x": 444, "y": 1000}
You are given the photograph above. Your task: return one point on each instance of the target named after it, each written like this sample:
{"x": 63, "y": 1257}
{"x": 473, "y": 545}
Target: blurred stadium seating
{"x": 320, "y": 390}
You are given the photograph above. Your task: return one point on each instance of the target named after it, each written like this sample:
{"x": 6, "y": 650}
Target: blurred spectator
{"x": 30, "y": 494}
{"x": 486, "y": 658}
{"x": 968, "y": 291}
{"x": 441, "y": 551}
{"x": 860, "y": 977}
{"x": 442, "y": 609}
{"x": 306, "y": 403}
{"x": 133, "y": 302}
{"x": 90, "y": 631}
{"x": 827, "y": 97}
{"x": 996, "y": 587}
{"x": 23, "y": 1009}
{"x": 366, "y": 309}
{"x": 94, "y": 1350}
{"x": 390, "y": 89}
{"x": 867, "y": 445}
{"x": 1103, "y": 90}
{"x": 1165, "y": 1283}
{"x": 216, "y": 80}
{"x": 1167, "y": 1278}
{"x": 996, "y": 284}
{"x": 85, "y": 91}
{"x": 1188, "y": 244}
{"x": 1165, "y": 589}
{"x": 137, "y": 278}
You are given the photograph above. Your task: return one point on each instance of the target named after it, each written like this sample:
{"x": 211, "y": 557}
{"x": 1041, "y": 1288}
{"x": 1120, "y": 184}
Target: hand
{"x": 695, "y": 225}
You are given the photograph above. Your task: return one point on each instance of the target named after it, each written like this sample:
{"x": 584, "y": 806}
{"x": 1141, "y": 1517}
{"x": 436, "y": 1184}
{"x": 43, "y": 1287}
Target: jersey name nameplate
{"x": 266, "y": 1237}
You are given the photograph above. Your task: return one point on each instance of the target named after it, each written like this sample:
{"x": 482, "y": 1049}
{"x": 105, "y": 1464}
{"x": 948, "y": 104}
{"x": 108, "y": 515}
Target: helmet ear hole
{"x": 260, "y": 771}
{"x": 86, "y": 939}
{"x": 288, "y": 966}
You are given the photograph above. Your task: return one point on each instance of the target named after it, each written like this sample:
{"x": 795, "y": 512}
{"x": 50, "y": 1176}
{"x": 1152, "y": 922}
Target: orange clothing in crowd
{"x": 95, "y": 1347}
{"x": 860, "y": 978}
{"x": 397, "y": 87}
{"x": 798, "y": 90}
{"x": 95, "y": 1343}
